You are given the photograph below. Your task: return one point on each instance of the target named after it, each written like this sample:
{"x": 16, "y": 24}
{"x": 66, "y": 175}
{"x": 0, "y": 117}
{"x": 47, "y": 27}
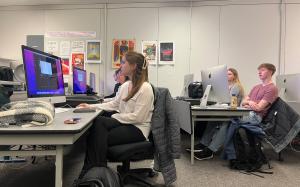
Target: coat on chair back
{"x": 281, "y": 125}
{"x": 166, "y": 134}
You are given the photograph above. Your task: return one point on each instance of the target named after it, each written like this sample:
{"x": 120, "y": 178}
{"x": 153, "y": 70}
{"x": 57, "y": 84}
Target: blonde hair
{"x": 237, "y": 80}
{"x": 140, "y": 74}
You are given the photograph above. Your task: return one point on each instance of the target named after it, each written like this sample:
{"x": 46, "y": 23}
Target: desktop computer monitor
{"x": 215, "y": 83}
{"x": 288, "y": 87}
{"x": 188, "y": 79}
{"x": 79, "y": 81}
{"x": 44, "y": 76}
{"x": 93, "y": 81}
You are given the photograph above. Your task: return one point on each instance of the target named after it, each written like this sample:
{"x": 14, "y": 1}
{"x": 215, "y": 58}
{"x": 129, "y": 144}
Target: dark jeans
{"x": 106, "y": 132}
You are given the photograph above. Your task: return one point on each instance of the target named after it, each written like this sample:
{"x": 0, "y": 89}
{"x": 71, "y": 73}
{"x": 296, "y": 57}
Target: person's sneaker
{"x": 197, "y": 148}
{"x": 205, "y": 154}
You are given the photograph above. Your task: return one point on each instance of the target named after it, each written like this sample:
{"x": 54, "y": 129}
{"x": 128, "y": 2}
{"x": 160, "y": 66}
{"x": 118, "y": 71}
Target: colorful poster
{"x": 166, "y": 54}
{"x": 65, "y": 66}
{"x": 93, "y": 51}
{"x": 78, "y": 60}
{"x": 149, "y": 49}
{"x": 120, "y": 48}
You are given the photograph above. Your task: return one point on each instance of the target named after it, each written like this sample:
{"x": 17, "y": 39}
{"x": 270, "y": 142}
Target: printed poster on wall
{"x": 52, "y": 47}
{"x": 149, "y": 49}
{"x": 93, "y": 51}
{"x": 166, "y": 53}
{"x": 78, "y": 60}
{"x": 120, "y": 48}
{"x": 65, "y": 48}
{"x": 65, "y": 66}
{"x": 78, "y": 46}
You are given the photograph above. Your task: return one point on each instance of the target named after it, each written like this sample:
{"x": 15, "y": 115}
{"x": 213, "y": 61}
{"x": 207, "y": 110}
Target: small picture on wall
{"x": 93, "y": 51}
{"x": 166, "y": 53}
{"x": 78, "y": 60}
{"x": 65, "y": 66}
{"x": 120, "y": 48}
{"x": 149, "y": 49}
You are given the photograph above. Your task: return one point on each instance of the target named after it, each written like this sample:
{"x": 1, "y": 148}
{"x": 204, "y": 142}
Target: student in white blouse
{"x": 131, "y": 123}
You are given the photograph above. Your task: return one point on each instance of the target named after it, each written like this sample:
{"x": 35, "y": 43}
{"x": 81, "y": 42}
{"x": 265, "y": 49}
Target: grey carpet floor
{"x": 213, "y": 172}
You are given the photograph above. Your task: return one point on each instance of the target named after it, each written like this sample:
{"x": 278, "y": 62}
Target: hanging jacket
{"x": 281, "y": 125}
{"x": 166, "y": 134}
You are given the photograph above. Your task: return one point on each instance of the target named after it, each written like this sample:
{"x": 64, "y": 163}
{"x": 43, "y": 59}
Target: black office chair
{"x": 126, "y": 153}
{"x": 133, "y": 152}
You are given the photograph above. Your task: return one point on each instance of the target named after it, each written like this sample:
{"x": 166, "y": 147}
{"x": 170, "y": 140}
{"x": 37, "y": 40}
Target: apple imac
{"x": 44, "y": 76}
{"x": 188, "y": 79}
{"x": 93, "y": 81}
{"x": 215, "y": 83}
{"x": 79, "y": 81}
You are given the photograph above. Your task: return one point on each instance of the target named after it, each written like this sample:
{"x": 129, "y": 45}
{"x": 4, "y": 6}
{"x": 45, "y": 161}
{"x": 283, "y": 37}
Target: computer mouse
{"x": 224, "y": 104}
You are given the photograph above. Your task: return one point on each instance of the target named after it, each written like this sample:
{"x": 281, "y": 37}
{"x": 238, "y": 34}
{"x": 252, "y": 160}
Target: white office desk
{"x": 57, "y": 134}
{"x": 213, "y": 114}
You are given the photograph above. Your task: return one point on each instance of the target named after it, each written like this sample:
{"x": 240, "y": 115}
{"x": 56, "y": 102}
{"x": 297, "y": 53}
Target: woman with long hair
{"x": 131, "y": 123}
{"x": 234, "y": 83}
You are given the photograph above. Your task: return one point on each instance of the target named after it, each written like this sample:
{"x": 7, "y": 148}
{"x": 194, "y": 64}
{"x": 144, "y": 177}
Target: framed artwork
{"x": 120, "y": 48}
{"x": 166, "y": 53}
{"x": 78, "y": 60}
{"x": 93, "y": 51}
{"x": 149, "y": 49}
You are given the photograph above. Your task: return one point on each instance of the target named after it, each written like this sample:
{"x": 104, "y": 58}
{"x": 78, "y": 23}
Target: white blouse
{"x": 136, "y": 111}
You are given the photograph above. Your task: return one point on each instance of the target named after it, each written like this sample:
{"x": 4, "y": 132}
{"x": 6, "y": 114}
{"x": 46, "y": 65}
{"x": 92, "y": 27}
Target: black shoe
{"x": 205, "y": 154}
{"x": 197, "y": 148}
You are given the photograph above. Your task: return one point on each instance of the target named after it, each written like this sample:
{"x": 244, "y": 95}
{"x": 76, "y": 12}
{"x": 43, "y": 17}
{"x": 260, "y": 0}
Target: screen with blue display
{"x": 44, "y": 76}
{"x": 79, "y": 81}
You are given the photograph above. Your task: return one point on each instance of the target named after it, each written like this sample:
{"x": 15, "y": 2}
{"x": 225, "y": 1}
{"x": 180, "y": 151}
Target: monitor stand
{"x": 204, "y": 99}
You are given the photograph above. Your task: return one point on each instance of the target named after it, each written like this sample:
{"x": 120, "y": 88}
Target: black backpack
{"x": 6, "y": 74}
{"x": 249, "y": 155}
{"x": 195, "y": 90}
{"x": 100, "y": 177}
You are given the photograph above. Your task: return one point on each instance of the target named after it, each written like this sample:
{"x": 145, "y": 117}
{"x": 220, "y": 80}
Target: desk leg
{"x": 59, "y": 165}
{"x": 193, "y": 140}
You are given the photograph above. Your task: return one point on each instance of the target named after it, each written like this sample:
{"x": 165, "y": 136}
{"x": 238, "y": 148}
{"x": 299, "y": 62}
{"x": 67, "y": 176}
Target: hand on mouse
{"x": 83, "y": 105}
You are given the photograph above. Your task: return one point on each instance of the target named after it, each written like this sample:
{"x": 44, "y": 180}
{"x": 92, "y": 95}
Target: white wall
{"x": 242, "y": 34}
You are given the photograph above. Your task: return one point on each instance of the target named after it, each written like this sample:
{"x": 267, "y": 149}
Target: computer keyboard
{"x": 84, "y": 110}
{"x": 83, "y": 97}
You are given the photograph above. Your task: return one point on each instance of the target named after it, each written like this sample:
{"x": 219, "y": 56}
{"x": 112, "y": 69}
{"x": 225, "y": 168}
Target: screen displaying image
{"x": 43, "y": 71}
{"x": 79, "y": 81}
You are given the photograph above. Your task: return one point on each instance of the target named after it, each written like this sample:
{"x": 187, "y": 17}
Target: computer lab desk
{"x": 57, "y": 134}
{"x": 213, "y": 114}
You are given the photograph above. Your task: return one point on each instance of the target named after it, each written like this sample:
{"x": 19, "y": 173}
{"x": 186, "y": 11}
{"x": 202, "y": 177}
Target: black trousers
{"x": 106, "y": 132}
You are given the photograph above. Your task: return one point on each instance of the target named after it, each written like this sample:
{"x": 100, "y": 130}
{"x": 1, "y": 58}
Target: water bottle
{"x": 233, "y": 103}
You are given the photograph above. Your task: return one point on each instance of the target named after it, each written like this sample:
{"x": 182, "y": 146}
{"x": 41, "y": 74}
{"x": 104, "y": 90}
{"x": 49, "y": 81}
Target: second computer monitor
{"x": 288, "y": 87}
{"x": 215, "y": 83}
{"x": 79, "y": 81}
{"x": 93, "y": 81}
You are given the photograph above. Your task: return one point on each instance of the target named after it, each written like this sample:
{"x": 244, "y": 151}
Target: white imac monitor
{"x": 288, "y": 87}
{"x": 215, "y": 83}
{"x": 44, "y": 76}
{"x": 188, "y": 78}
